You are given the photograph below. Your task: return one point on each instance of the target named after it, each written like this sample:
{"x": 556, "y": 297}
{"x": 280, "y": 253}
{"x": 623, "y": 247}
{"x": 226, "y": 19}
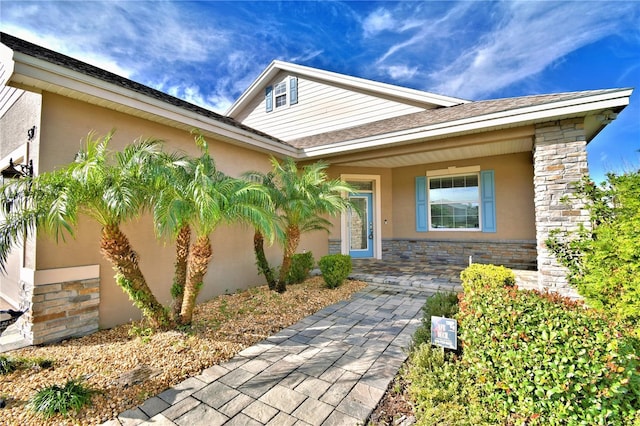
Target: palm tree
{"x": 300, "y": 198}
{"x": 197, "y": 200}
{"x": 264, "y": 268}
{"x": 108, "y": 187}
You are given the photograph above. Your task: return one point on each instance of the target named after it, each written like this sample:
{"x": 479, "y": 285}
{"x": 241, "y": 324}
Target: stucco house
{"x": 442, "y": 179}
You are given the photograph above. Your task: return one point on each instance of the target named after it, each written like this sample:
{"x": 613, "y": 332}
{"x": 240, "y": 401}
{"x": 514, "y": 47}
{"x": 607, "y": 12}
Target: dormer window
{"x": 282, "y": 94}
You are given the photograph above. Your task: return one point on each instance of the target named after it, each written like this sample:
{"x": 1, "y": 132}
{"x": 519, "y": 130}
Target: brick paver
{"x": 331, "y": 368}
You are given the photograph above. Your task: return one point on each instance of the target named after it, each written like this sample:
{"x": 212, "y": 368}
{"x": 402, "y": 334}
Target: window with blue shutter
{"x": 268, "y": 98}
{"x": 421, "y": 204}
{"x": 293, "y": 91}
{"x": 488, "y": 197}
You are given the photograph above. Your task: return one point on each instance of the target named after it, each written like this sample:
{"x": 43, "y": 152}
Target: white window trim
{"x": 287, "y": 83}
{"x": 377, "y": 215}
{"x": 453, "y": 172}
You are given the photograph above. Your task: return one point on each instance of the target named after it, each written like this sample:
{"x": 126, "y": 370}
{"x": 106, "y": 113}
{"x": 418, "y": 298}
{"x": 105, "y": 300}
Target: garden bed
{"x": 111, "y": 361}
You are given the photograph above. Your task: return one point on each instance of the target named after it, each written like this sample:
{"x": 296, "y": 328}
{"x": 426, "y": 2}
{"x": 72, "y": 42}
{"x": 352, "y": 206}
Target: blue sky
{"x": 208, "y": 52}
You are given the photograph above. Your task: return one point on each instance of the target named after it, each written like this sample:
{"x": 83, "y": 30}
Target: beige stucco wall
{"x": 65, "y": 125}
{"x": 22, "y": 113}
{"x": 514, "y": 199}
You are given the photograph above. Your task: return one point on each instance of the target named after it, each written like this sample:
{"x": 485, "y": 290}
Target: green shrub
{"x": 439, "y": 388}
{"x": 481, "y": 277}
{"x": 543, "y": 359}
{"x": 301, "y": 264}
{"x": 60, "y": 400}
{"x": 439, "y": 305}
{"x": 604, "y": 263}
{"x": 335, "y": 269}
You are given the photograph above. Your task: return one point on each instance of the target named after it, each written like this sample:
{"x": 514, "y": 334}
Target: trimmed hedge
{"x": 528, "y": 359}
{"x": 301, "y": 264}
{"x": 480, "y": 277}
{"x": 335, "y": 269}
{"x": 544, "y": 359}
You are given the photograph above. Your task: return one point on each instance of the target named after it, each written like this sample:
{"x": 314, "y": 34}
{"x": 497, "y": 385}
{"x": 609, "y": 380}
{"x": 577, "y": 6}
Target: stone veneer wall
{"x": 63, "y": 310}
{"x": 513, "y": 254}
{"x": 560, "y": 159}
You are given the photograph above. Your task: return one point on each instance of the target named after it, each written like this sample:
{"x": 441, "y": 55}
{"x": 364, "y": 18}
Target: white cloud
{"x": 400, "y": 72}
{"x": 378, "y": 21}
{"x": 530, "y": 37}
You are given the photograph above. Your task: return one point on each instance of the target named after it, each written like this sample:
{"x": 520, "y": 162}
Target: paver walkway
{"x": 331, "y": 368}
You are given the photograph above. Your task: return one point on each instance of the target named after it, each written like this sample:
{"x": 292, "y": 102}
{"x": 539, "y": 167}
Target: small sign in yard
{"x": 444, "y": 332}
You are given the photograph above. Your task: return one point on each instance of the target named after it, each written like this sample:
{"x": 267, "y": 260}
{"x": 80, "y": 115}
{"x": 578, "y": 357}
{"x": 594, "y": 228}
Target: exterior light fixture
{"x": 12, "y": 172}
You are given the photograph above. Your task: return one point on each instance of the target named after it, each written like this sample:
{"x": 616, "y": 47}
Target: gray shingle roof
{"x": 438, "y": 116}
{"x": 39, "y": 52}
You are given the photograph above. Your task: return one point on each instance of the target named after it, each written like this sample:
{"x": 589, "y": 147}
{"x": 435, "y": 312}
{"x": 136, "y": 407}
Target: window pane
{"x": 281, "y": 100}
{"x": 362, "y": 186}
{"x": 357, "y": 225}
{"x": 454, "y": 202}
{"x": 280, "y": 88}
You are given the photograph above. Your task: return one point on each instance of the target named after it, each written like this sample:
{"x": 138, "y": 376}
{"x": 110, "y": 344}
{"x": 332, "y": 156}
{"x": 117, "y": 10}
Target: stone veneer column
{"x": 559, "y": 160}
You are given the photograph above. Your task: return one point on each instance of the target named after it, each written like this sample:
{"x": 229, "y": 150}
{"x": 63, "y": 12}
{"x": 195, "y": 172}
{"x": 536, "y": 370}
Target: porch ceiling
{"x": 425, "y": 154}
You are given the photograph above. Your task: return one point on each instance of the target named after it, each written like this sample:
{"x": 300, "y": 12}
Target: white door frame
{"x": 377, "y": 214}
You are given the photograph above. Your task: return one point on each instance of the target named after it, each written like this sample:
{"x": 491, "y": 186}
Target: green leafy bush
{"x": 478, "y": 276}
{"x": 335, "y": 269}
{"x": 439, "y": 305}
{"x": 543, "y": 359}
{"x": 604, "y": 263}
{"x": 301, "y": 264}
{"x": 439, "y": 388}
{"x": 54, "y": 399}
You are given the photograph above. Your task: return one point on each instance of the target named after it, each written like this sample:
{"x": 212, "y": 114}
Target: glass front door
{"x": 360, "y": 225}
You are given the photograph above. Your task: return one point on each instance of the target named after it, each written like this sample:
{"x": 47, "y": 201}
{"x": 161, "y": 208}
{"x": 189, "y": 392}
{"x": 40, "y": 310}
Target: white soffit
{"x": 444, "y": 155}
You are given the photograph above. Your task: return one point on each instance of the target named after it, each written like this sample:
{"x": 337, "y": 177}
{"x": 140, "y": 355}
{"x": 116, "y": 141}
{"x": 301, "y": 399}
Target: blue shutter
{"x": 421, "y": 204}
{"x": 293, "y": 90}
{"x": 488, "y": 198}
{"x": 268, "y": 98}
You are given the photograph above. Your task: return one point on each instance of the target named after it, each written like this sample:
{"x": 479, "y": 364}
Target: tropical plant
{"x": 300, "y": 198}
{"x": 194, "y": 196}
{"x": 110, "y": 187}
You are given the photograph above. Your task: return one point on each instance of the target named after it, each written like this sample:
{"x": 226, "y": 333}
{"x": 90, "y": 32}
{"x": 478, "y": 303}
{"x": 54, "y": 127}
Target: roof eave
{"x": 40, "y": 74}
{"x": 521, "y": 116}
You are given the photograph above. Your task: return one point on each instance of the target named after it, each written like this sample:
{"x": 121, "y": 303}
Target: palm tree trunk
{"x": 180, "y": 272}
{"x": 292, "y": 240}
{"x": 115, "y": 247}
{"x": 198, "y": 264}
{"x": 263, "y": 264}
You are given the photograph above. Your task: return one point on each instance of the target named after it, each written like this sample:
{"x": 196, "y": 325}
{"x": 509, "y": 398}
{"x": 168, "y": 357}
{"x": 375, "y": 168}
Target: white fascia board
{"x": 34, "y": 69}
{"x": 374, "y": 86}
{"x": 484, "y": 122}
{"x": 266, "y": 75}
{"x": 343, "y": 80}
